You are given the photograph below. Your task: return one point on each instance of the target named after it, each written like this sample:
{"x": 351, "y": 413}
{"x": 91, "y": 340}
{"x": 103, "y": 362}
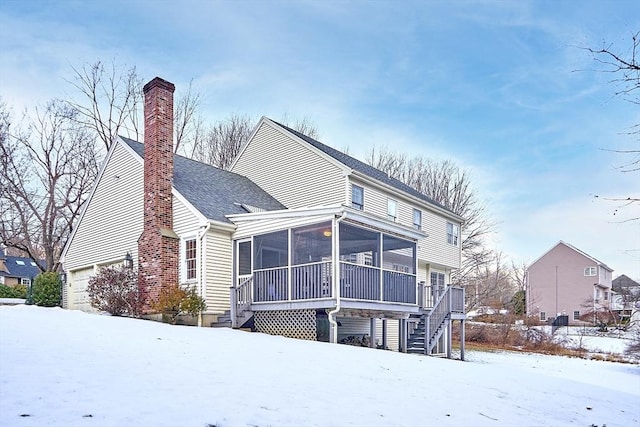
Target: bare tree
{"x": 222, "y": 141}
{"x": 490, "y": 283}
{"x": 448, "y": 185}
{"x": 303, "y": 125}
{"x": 187, "y": 124}
{"x": 47, "y": 166}
{"x": 624, "y": 67}
{"x": 110, "y": 100}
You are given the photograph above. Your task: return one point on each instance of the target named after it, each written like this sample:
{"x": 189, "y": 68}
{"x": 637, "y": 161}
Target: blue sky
{"x": 500, "y": 87}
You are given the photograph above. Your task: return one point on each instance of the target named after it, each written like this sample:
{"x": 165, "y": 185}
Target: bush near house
{"x": 115, "y": 290}
{"x": 47, "y": 289}
{"x": 17, "y": 291}
{"x": 174, "y": 300}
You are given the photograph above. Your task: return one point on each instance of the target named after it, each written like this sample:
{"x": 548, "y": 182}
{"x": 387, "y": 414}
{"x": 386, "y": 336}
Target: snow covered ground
{"x": 66, "y": 368}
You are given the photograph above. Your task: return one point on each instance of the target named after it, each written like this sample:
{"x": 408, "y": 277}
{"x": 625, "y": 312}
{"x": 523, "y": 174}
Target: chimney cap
{"x": 158, "y": 82}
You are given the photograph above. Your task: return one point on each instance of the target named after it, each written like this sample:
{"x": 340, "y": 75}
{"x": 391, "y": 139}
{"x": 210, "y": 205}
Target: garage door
{"x": 77, "y": 292}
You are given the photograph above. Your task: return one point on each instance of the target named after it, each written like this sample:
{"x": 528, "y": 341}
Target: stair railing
{"x": 241, "y": 300}
{"x": 435, "y": 319}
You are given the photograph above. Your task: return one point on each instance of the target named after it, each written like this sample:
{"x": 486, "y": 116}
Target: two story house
{"x": 296, "y": 239}
{"x": 16, "y": 270}
{"x": 566, "y": 281}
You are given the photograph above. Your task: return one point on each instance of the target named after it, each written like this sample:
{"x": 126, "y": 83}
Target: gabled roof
{"x": 622, "y": 282}
{"x": 364, "y": 168}
{"x": 20, "y": 267}
{"x": 600, "y": 263}
{"x": 214, "y": 192}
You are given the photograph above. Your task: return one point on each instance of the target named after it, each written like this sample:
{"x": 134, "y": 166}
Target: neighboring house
{"x": 625, "y": 296}
{"x": 565, "y": 281}
{"x": 297, "y": 239}
{"x": 17, "y": 270}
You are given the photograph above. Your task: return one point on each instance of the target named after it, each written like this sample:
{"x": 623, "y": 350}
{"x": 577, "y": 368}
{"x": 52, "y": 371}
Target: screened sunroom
{"x": 362, "y": 261}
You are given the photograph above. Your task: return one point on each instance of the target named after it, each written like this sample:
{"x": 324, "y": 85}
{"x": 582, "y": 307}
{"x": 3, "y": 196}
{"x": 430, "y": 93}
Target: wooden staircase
{"x": 434, "y": 322}
{"x": 416, "y": 340}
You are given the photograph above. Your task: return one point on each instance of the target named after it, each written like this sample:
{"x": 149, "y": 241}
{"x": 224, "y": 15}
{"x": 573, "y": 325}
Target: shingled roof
{"x": 20, "y": 267}
{"x": 214, "y": 192}
{"x": 364, "y": 168}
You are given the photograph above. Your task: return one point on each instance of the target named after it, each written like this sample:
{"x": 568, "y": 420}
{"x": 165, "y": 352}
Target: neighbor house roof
{"x": 19, "y": 267}
{"x": 364, "y": 168}
{"x": 596, "y": 261}
{"x": 212, "y": 191}
{"x": 622, "y": 282}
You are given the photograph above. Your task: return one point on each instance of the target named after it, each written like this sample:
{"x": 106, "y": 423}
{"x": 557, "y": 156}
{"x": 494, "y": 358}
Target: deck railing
{"x": 315, "y": 281}
{"x": 399, "y": 287}
{"x": 457, "y": 300}
{"x": 242, "y": 292}
{"x": 311, "y": 281}
{"x": 359, "y": 282}
{"x": 271, "y": 284}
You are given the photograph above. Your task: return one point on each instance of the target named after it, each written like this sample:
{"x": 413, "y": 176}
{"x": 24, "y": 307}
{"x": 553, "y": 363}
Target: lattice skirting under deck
{"x": 299, "y": 324}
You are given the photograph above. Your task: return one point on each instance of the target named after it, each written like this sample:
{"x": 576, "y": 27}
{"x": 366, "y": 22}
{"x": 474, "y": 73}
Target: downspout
{"x": 203, "y": 277}
{"x": 336, "y": 273}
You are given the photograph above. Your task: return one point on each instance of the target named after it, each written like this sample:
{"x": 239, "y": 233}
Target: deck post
{"x": 234, "y": 307}
{"x": 384, "y": 334}
{"x": 372, "y": 332}
{"x": 462, "y": 339}
{"x": 449, "y": 338}
{"x": 403, "y": 336}
{"x": 427, "y": 335}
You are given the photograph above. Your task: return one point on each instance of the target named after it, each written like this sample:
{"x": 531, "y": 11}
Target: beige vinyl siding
{"x": 184, "y": 221}
{"x": 291, "y": 171}
{"x": 112, "y": 221}
{"x": 356, "y": 326}
{"x": 185, "y": 225}
{"x": 393, "y": 333}
{"x": 435, "y": 248}
{"x": 376, "y": 201}
{"x": 217, "y": 250}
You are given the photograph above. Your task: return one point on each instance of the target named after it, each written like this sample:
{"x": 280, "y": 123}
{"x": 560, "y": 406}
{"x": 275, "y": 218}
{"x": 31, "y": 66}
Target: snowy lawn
{"x": 66, "y": 368}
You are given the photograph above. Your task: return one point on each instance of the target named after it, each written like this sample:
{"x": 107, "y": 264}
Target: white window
{"x": 190, "y": 259}
{"x": 453, "y": 233}
{"x": 576, "y": 315}
{"x": 417, "y": 219}
{"x": 368, "y": 258}
{"x": 543, "y": 316}
{"x": 392, "y": 210}
{"x": 357, "y": 197}
{"x": 20, "y": 262}
{"x": 437, "y": 279}
{"x": 590, "y": 271}
{"x": 25, "y": 281}
{"x": 401, "y": 268}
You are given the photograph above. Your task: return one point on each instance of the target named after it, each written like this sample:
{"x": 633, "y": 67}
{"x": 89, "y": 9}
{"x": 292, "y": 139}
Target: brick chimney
{"x": 158, "y": 246}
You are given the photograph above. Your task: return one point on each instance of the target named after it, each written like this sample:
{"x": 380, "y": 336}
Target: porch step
{"x": 223, "y": 321}
{"x": 416, "y": 341}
